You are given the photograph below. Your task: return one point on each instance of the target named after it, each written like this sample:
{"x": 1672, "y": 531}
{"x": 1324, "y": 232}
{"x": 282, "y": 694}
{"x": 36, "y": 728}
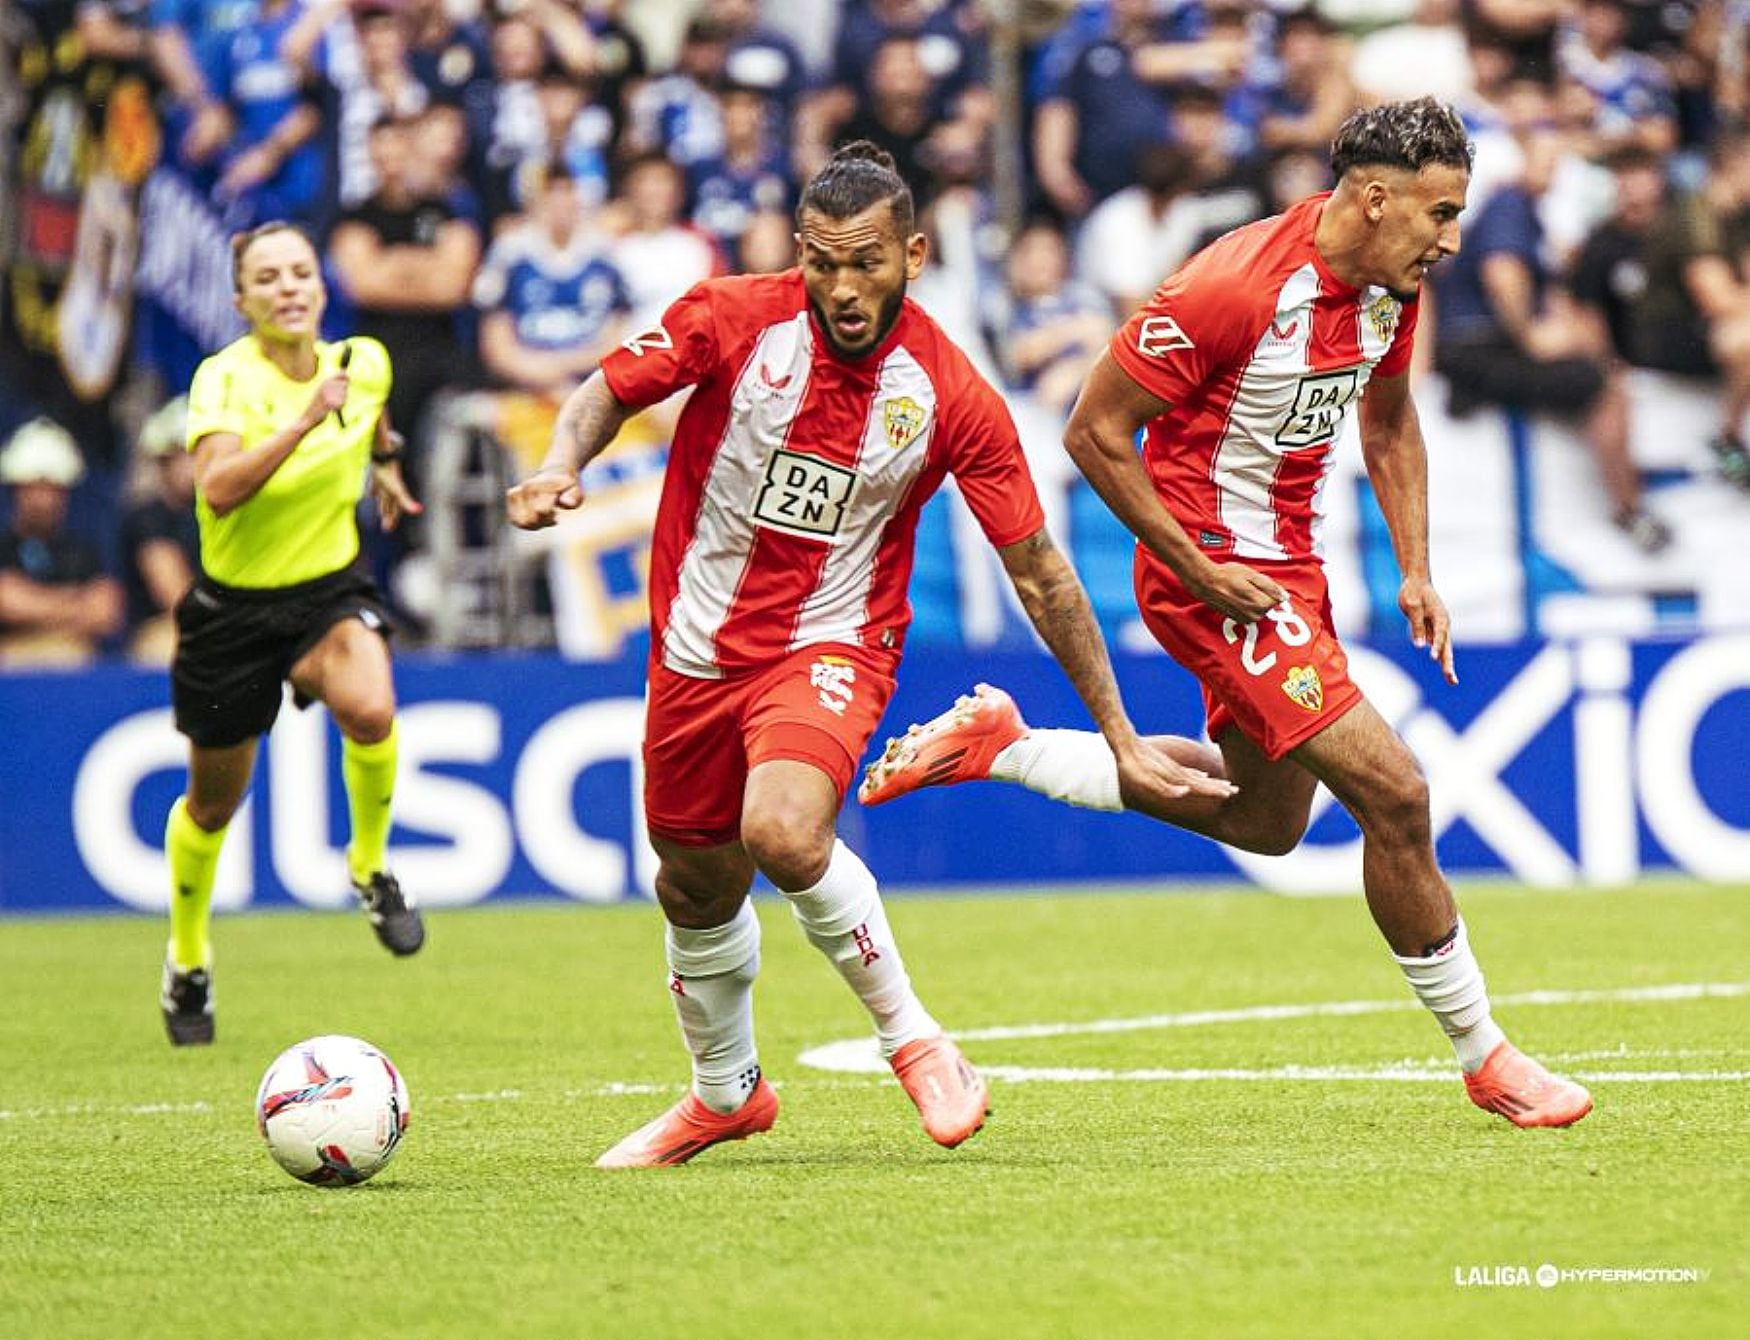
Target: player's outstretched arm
{"x": 1058, "y": 607}
{"x": 1101, "y": 439}
{"x": 1397, "y": 467}
{"x": 589, "y": 419}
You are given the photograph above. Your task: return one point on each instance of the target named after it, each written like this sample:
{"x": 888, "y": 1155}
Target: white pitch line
{"x": 859, "y": 1056}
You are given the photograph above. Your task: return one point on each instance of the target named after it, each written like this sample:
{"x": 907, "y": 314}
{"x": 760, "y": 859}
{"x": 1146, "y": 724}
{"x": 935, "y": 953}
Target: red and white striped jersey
{"x": 1260, "y": 350}
{"x": 795, "y": 480}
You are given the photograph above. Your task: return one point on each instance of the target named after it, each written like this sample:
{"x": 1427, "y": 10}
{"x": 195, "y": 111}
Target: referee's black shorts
{"x": 235, "y": 646}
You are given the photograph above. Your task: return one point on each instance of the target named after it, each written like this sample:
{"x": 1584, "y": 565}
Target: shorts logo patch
{"x": 903, "y": 419}
{"x": 804, "y": 495}
{"x": 835, "y": 678}
{"x": 1304, "y": 686}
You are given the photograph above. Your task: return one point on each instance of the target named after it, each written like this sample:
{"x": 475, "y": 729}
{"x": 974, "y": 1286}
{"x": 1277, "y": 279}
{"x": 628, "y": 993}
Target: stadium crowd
{"x": 503, "y": 190}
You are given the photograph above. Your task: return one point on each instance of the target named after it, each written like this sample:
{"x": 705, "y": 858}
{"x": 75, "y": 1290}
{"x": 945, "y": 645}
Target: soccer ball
{"x": 332, "y": 1110}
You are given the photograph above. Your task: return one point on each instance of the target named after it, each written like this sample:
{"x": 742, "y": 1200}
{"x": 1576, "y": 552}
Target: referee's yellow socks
{"x": 193, "y": 854}
{"x": 369, "y": 772}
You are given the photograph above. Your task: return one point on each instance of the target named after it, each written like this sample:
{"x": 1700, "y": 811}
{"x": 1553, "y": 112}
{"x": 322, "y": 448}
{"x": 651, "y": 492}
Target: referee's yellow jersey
{"x": 302, "y": 523}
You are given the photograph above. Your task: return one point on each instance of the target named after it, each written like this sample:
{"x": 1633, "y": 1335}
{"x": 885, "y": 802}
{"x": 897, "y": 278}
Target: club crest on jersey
{"x": 803, "y": 495}
{"x": 835, "y": 678}
{"x": 1305, "y": 687}
{"x": 903, "y": 418}
{"x": 1382, "y": 315}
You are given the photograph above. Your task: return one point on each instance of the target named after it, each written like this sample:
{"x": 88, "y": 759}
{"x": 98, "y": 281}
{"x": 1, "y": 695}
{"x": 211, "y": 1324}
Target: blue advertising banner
{"x": 1551, "y": 763}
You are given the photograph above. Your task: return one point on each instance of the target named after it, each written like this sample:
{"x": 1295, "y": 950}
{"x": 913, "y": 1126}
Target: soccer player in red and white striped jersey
{"x": 1239, "y": 372}
{"x": 826, "y": 408}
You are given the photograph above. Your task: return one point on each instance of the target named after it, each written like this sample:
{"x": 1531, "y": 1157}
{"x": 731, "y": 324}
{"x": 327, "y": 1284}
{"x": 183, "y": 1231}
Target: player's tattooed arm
{"x": 589, "y": 419}
{"x": 1058, "y": 607}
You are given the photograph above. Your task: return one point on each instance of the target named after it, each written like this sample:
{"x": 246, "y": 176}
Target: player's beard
{"x": 883, "y": 323}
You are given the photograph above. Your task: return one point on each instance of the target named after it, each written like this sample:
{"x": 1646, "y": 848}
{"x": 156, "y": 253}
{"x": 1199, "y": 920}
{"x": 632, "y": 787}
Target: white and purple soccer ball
{"x": 333, "y": 1110}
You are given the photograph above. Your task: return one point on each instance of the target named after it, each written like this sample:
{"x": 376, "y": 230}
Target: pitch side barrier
{"x": 1551, "y": 763}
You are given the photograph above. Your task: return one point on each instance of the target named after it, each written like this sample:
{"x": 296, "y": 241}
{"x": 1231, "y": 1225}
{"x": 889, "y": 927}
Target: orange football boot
{"x": 690, "y": 1128}
{"x": 1515, "y": 1086}
{"x": 957, "y": 746}
{"x": 951, "y": 1096}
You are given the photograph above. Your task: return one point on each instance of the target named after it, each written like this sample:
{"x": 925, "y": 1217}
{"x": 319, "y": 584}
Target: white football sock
{"x": 1075, "y": 766}
{"x": 1450, "y": 984}
{"x": 842, "y": 917}
{"x": 711, "y": 976}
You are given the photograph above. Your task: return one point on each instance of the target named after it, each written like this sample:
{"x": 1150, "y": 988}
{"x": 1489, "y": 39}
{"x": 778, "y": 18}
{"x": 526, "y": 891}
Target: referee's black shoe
{"x": 187, "y": 1001}
{"x": 393, "y": 916}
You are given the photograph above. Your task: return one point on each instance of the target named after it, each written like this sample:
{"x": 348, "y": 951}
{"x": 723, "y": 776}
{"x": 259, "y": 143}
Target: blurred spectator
{"x": 160, "y": 539}
{"x": 1525, "y": 30}
{"x": 405, "y": 263}
{"x": 511, "y": 131}
{"x": 1139, "y": 236}
{"x": 1629, "y": 93}
{"x": 1425, "y": 55}
{"x": 1609, "y": 276}
{"x": 1231, "y": 184}
{"x": 1098, "y": 118}
{"x": 186, "y": 36}
{"x": 450, "y": 57}
{"x": 552, "y": 303}
{"x": 1303, "y": 106}
{"x": 948, "y": 50}
{"x": 55, "y": 603}
{"x": 357, "y": 55}
{"x": 1693, "y": 316}
{"x": 659, "y": 255}
{"x": 951, "y": 48}
{"x": 768, "y": 243}
{"x": 1293, "y": 175}
{"x": 677, "y": 114}
{"x": 1505, "y": 335}
{"x": 900, "y": 109}
{"x": 272, "y": 165}
{"x": 440, "y": 157}
{"x": 1055, "y": 327}
{"x": 750, "y": 176}
{"x": 619, "y": 60}
{"x": 569, "y": 129}
{"x": 759, "y": 57}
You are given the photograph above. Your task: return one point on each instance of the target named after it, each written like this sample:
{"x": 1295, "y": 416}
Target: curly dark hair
{"x": 858, "y": 175}
{"x": 1408, "y": 135}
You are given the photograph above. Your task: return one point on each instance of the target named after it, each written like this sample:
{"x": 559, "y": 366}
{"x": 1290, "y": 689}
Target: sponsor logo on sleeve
{"x": 1160, "y": 335}
{"x": 657, "y": 337}
{"x": 804, "y": 495}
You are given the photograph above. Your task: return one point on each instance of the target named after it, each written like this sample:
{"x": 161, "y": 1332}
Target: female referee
{"x": 283, "y": 428}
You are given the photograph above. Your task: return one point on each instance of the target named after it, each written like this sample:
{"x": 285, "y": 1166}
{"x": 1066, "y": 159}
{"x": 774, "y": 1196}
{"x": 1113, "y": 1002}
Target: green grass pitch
{"x": 1132, "y": 1201}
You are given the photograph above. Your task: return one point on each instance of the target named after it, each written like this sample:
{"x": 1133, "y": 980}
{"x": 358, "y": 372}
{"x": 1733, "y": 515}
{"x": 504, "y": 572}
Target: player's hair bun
{"x": 866, "y": 151}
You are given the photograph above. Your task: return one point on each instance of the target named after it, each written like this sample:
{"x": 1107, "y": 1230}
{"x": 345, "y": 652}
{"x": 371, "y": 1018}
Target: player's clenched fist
{"x": 536, "y": 502}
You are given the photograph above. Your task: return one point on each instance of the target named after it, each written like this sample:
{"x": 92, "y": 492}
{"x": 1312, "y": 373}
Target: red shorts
{"x": 1281, "y": 680}
{"x": 817, "y": 706}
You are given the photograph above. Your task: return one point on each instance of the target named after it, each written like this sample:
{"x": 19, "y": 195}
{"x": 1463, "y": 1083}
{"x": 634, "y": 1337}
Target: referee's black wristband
{"x": 393, "y": 452}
